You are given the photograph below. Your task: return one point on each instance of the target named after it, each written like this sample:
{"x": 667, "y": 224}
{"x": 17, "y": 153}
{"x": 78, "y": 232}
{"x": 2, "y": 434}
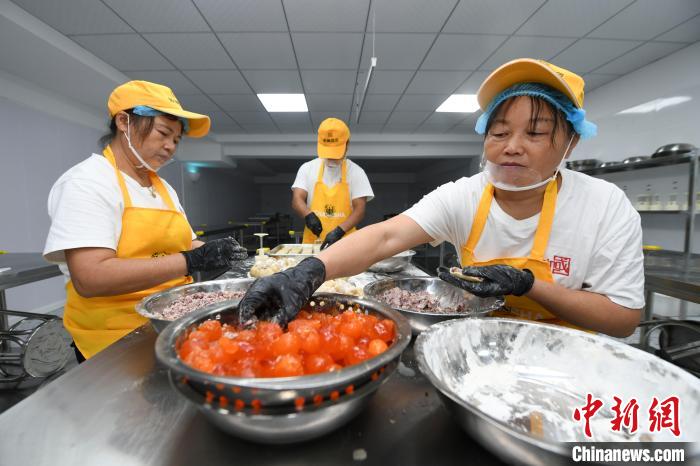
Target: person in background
{"x": 118, "y": 231}
{"x": 331, "y": 192}
{"x": 563, "y": 247}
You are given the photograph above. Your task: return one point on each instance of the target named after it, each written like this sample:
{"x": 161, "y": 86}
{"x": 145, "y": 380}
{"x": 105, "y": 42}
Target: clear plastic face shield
{"x": 516, "y": 178}
{"x": 334, "y": 163}
{"x": 144, "y": 164}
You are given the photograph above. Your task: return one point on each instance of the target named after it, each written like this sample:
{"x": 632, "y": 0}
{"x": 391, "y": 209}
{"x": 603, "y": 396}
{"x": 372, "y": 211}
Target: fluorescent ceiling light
{"x": 284, "y": 102}
{"x": 656, "y": 105}
{"x": 459, "y": 103}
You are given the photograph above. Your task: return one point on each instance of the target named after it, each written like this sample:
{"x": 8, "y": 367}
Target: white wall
{"x": 36, "y": 149}
{"x": 622, "y": 136}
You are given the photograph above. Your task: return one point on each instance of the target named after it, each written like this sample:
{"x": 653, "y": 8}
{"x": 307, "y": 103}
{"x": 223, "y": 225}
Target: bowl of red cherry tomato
{"x": 271, "y": 384}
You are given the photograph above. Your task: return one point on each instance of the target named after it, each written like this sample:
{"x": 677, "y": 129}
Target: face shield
{"x": 515, "y": 178}
{"x": 333, "y": 163}
{"x": 147, "y": 111}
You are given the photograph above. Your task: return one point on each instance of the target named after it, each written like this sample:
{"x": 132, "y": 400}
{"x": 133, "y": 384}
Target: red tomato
{"x": 267, "y": 332}
{"x": 230, "y": 346}
{"x": 288, "y": 365}
{"x": 287, "y": 343}
{"x": 212, "y": 328}
{"x": 352, "y": 328}
{"x": 310, "y": 342}
{"x": 314, "y": 342}
{"x": 356, "y": 355}
{"x": 376, "y": 347}
{"x": 315, "y": 363}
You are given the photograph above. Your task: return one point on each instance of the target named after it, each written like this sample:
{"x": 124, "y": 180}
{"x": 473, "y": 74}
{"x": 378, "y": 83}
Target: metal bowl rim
{"x": 166, "y": 354}
{"x": 556, "y": 447}
{"x": 500, "y": 301}
{"x": 141, "y": 306}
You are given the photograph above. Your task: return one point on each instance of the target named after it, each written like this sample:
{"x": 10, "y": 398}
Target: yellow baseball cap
{"x": 333, "y": 136}
{"x": 529, "y": 70}
{"x": 158, "y": 97}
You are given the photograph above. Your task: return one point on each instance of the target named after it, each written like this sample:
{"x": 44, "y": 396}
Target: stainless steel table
{"x": 671, "y": 274}
{"x": 118, "y": 409}
{"x": 25, "y": 267}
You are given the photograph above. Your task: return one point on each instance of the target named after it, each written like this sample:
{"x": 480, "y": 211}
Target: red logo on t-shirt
{"x": 560, "y": 265}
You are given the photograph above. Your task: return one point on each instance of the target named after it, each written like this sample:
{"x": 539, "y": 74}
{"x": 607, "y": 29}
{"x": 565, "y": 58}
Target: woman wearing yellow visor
{"x": 118, "y": 230}
{"x": 563, "y": 247}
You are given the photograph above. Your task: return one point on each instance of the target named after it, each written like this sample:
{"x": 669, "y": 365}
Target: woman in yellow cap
{"x": 563, "y": 247}
{"x": 118, "y": 230}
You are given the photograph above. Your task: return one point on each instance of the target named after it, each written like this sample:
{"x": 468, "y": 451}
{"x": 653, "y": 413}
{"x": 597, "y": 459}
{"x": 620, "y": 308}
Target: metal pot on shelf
{"x": 673, "y": 149}
{"x": 583, "y": 164}
{"x": 635, "y": 159}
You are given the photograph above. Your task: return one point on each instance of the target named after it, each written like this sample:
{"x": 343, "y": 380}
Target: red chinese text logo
{"x": 560, "y": 265}
{"x": 662, "y": 414}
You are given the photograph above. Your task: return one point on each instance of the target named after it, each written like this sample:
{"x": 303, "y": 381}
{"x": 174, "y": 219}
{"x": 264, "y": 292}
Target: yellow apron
{"x": 332, "y": 205}
{"x": 96, "y": 323}
{"x": 519, "y": 306}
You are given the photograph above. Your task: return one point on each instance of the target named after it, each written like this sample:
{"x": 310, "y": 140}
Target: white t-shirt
{"x": 596, "y": 236}
{"x": 356, "y": 178}
{"x": 86, "y": 207}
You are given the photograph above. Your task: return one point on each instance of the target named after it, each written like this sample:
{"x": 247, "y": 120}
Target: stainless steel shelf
{"x": 650, "y": 163}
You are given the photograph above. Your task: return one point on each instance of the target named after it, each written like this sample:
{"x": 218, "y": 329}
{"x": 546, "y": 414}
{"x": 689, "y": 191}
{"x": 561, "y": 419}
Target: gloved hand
{"x": 213, "y": 255}
{"x": 280, "y": 296}
{"x": 334, "y": 235}
{"x": 496, "y": 280}
{"x": 313, "y": 223}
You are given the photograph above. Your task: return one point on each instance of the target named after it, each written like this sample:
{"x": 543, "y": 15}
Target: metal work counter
{"x": 671, "y": 274}
{"x": 24, "y": 267}
{"x": 118, "y": 409}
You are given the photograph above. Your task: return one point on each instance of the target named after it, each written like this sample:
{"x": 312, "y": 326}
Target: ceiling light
{"x": 459, "y": 103}
{"x": 284, "y": 102}
{"x": 656, "y": 105}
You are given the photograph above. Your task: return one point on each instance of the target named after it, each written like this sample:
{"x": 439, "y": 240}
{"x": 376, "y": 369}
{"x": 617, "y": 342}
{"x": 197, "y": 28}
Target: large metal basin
{"x": 513, "y": 385}
{"x": 288, "y": 409}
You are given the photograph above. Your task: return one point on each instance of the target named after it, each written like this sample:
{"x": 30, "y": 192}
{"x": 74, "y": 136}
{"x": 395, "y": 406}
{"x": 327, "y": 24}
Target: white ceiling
{"x": 217, "y": 54}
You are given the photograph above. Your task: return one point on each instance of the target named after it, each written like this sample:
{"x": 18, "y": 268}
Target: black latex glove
{"x": 214, "y": 255}
{"x": 334, "y": 235}
{"x": 280, "y": 297}
{"x": 497, "y": 280}
{"x": 313, "y": 223}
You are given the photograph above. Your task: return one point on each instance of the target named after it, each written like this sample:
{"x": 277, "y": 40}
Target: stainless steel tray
{"x": 307, "y": 250}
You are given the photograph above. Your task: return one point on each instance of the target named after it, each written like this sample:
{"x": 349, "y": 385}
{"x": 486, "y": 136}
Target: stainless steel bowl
{"x": 584, "y": 164}
{"x": 635, "y": 159}
{"x": 449, "y": 296}
{"x": 513, "y": 385}
{"x": 153, "y": 306}
{"x": 393, "y": 264}
{"x": 673, "y": 149}
{"x": 288, "y": 409}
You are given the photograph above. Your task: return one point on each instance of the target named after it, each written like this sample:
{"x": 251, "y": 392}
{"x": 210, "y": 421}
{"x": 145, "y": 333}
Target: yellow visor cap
{"x": 158, "y": 97}
{"x": 333, "y": 136}
{"x": 529, "y": 70}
